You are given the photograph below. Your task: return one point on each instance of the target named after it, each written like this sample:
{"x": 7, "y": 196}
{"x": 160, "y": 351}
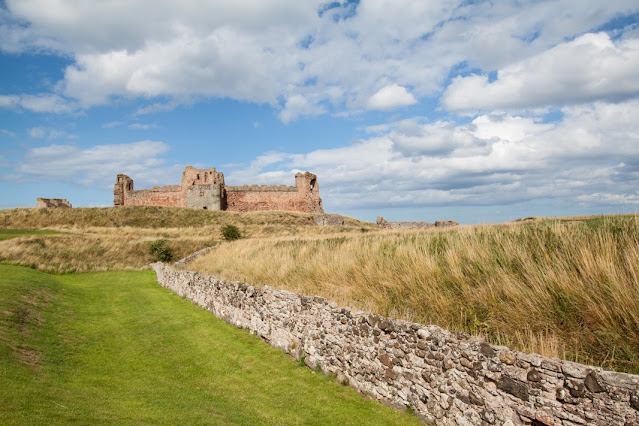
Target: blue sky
{"x": 476, "y": 111}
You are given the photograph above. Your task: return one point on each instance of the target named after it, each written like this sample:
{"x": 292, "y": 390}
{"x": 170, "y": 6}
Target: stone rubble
{"x": 446, "y": 377}
{"x": 328, "y": 220}
{"x": 414, "y": 225}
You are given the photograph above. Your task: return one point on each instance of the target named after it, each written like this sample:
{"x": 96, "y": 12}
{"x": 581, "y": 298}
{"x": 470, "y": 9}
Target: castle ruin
{"x": 205, "y": 189}
{"x": 45, "y": 203}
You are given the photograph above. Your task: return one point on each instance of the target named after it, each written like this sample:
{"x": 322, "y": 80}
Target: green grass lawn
{"x": 7, "y": 234}
{"x": 115, "y": 347}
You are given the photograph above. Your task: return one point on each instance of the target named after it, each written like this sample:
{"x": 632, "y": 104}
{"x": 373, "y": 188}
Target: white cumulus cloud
{"x": 97, "y": 165}
{"x": 591, "y": 67}
{"x": 332, "y": 56}
{"x": 390, "y": 97}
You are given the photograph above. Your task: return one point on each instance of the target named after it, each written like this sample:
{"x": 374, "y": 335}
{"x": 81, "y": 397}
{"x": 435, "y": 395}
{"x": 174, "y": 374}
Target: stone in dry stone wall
{"x": 446, "y": 378}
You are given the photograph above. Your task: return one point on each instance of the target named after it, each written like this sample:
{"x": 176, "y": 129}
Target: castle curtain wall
{"x": 257, "y": 198}
{"x": 164, "y": 196}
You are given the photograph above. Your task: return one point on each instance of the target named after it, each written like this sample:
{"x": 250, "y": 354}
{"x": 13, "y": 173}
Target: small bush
{"x": 161, "y": 252}
{"x": 231, "y": 233}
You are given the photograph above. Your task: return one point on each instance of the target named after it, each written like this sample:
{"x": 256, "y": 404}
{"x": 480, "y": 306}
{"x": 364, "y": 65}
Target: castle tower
{"x": 123, "y": 183}
{"x": 308, "y": 187}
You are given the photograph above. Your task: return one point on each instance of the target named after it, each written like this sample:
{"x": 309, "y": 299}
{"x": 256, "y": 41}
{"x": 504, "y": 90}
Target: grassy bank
{"x": 568, "y": 289}
{"x": 89, "y": 252}
{"x": 252, "y": 224}
{"x": 117, "y": 348}
{"x": 103, "y": 239}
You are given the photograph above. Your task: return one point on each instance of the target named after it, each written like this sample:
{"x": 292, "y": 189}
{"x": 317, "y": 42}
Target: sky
{"x": 474, "y": 111}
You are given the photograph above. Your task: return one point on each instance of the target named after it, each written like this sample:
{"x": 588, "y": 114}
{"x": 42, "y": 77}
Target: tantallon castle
{"x": 205, "y": 189}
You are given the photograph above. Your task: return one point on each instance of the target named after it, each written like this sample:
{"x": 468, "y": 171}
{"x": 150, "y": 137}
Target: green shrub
{"x": 231, "y": 233}
{"x": 161, "y": 252}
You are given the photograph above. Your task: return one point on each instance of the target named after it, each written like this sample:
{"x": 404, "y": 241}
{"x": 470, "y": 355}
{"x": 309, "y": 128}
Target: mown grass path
{"x": 115, "y": 347}
{"x": 7, "y": 234}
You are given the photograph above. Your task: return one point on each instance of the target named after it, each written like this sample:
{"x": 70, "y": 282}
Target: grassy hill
{"x": 103, "y": 239}
{"x": 262, "y": 223}
{"x": 115, "y": 347}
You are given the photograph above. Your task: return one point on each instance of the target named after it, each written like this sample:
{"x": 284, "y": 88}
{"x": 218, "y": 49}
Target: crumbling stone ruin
{"x": 329, "y": 220}
{"x": 447, "y": 378}
{"x": 205, "y": 189}
{"x": 414, "y": 225}
{"x": 43, "y": 203}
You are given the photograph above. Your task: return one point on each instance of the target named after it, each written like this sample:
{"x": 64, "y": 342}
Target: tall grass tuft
{"x": 561, "y": 289}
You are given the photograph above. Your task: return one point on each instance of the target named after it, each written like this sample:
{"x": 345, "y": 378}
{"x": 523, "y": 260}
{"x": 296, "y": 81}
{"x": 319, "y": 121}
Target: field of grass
{"x": 115, "y": 347}
{"x": 562, "y": 288}
{"x": 104, "y": 239}
{"x": 7, "y": 234}
{"x": 252, "y": 224}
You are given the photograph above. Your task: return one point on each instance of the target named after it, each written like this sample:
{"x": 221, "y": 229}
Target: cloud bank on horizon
{"x": 454, "y": 103}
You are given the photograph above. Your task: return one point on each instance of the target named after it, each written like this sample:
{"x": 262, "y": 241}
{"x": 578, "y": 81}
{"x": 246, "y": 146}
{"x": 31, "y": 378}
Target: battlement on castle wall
{"x": 261, "y": 188}
{"x": 165, "y": 188}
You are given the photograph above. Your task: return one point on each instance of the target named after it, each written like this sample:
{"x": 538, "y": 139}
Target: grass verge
{"x": 115, "y": 347}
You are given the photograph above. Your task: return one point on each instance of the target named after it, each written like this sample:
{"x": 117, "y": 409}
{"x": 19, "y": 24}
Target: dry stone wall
{"x": 446, "y": 378}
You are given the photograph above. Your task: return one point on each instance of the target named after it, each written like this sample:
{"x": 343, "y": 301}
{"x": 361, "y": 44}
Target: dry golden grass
{"x": 89, "y": 253}
{"x": 569, "y": 290}
{"x": 165, "y": 219}
{"x": 99, "y": 239}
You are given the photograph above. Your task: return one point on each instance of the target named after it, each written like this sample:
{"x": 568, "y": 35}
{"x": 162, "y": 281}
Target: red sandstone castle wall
{"x": 165, "y": 196}
{"x": 248, "y": 201}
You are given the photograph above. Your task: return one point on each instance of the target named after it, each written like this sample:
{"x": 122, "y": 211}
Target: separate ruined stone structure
{"x": 44, "y": 203}
{"x": 205, "y": 189}
{"x": 329, "y": 220}
{"x": 414, "y": 225}
{"x": 446, "y": 378}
